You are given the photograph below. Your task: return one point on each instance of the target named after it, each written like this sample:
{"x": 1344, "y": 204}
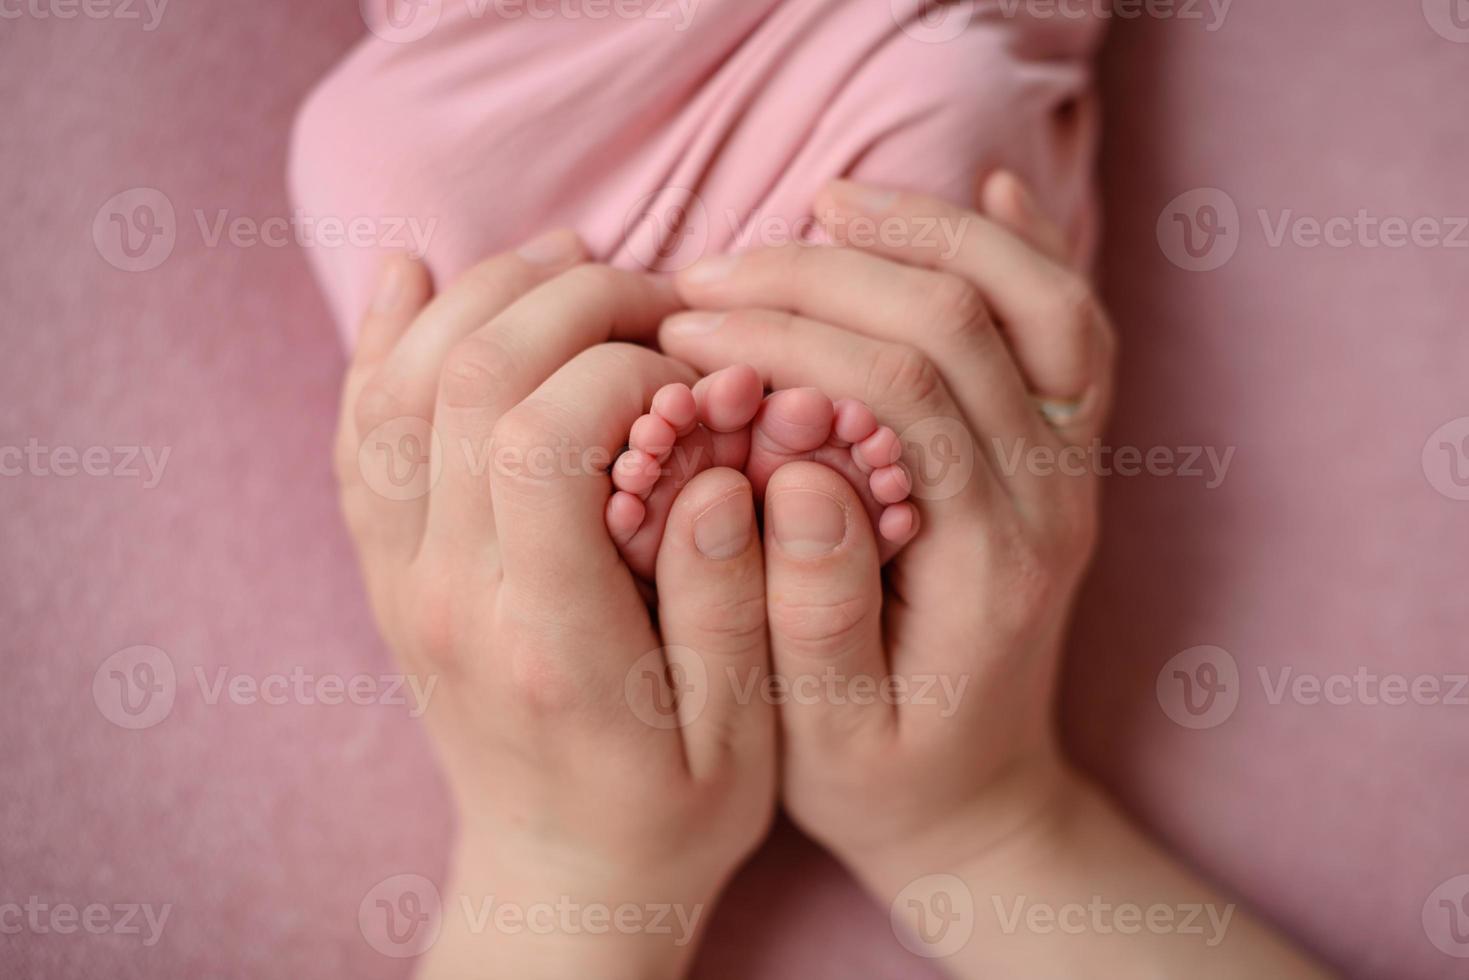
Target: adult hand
{"x": 475, "y": 433}
{"x": 949, "y": 324}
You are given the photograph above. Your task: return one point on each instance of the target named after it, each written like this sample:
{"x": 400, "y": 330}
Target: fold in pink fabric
{"x": 681, "y": 127}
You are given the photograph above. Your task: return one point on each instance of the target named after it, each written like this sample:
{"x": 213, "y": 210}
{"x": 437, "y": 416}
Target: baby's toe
{"x": 625, "y": 514}
{"x": 635, "y": 471}
{"x": 854, "y": 422}
{"x": 675, "y": 404}
{"x": 897, "y": 526}
{"x": 891, "y": 484}
{"x": 729, "y": 398}
{"x": 654, "y": 435}
{"x": 791, "y": 425}
{"x": 880, "y": 449}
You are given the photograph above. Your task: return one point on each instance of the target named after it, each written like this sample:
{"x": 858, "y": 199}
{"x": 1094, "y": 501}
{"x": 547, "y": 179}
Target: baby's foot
{"x": 726, "y": 420}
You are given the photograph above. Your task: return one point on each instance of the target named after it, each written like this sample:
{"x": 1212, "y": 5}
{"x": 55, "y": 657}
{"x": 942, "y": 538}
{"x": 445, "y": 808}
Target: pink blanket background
{"x": 1334, "y": 545}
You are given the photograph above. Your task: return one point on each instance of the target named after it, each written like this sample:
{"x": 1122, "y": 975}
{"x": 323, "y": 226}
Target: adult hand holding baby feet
{"x": 918, "y": 740}
{"x": 726, "y": 420}
{"x": 588, "y": 783}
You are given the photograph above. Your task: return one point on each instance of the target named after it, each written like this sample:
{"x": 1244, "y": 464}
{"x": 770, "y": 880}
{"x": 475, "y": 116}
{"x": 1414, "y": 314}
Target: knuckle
{"x": 957, "y": 309}
{"x": 544, "y": 683}
{"x": 735, "y": 624}
{"x": 433, "y": 625}
{"x": 524, "y": 427}
{"x": 381, "y": 401}
{"x": 903, "y": 375}
{"x": 816, "y": 626}
{"x": 474, "y": 373}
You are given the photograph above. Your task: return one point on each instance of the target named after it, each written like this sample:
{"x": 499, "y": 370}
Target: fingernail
{"x": 707, "y": 271}
{"x": 389, "y": 286}
{"x": 808, "y": 523}
{"x": 693, "y": 323}
{"x": 864, "y": 198}
{"x": 554, "y": 246}
{"x": 724, "y": 531}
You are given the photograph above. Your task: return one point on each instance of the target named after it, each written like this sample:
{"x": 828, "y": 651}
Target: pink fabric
{"x": 1326, "y": 547}
{"x": 661, "y": 138}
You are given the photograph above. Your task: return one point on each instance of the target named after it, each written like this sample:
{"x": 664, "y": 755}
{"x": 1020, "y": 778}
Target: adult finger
{"x": 824, "y": 601}
{"x": 1049, "y": 312}
{"x": 379, "y": 518}
{"x": 941, "y": 314}
{"x": 900, "y": 384}
{"x": 711, "y": 586}
{"x": 1004, "y": 197}
{"x": 393, "y": 406}
{"x": 499, "y": 365}
{"x": 549, "y": 482}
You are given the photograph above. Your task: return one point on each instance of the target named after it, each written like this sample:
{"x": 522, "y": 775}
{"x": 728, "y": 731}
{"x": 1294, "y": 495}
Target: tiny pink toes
{"x": 636, "y": 472}
{"x": 675, "y": 404}
{"x": 796, "y": 420}
{"x": 890, "y": 485}
{"x": 625, "y": 514}
{"x": 654, "y": 435}
{"x": 729, "y": 398}
{"x": 898, "y": 523}
{"x": 877, "y": 450}
{"x": 854, "y": 422}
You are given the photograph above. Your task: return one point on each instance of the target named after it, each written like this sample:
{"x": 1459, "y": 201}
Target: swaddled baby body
{"x": 663, "y": 135}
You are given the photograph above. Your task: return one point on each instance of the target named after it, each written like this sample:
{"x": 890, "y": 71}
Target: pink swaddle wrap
{"x": 681, "y": 127}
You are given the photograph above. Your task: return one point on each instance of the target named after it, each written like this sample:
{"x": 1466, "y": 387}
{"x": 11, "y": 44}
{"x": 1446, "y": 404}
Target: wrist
{"x": 532, "y": 916}
{"x": 1023, "y": 818}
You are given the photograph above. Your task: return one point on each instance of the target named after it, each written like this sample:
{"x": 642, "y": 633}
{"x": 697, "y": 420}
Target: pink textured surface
{"x": 1326, "y": 547}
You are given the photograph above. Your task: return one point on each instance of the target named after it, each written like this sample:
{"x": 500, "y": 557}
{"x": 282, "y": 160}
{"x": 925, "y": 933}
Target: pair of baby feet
{"x": 726, "y": 419}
